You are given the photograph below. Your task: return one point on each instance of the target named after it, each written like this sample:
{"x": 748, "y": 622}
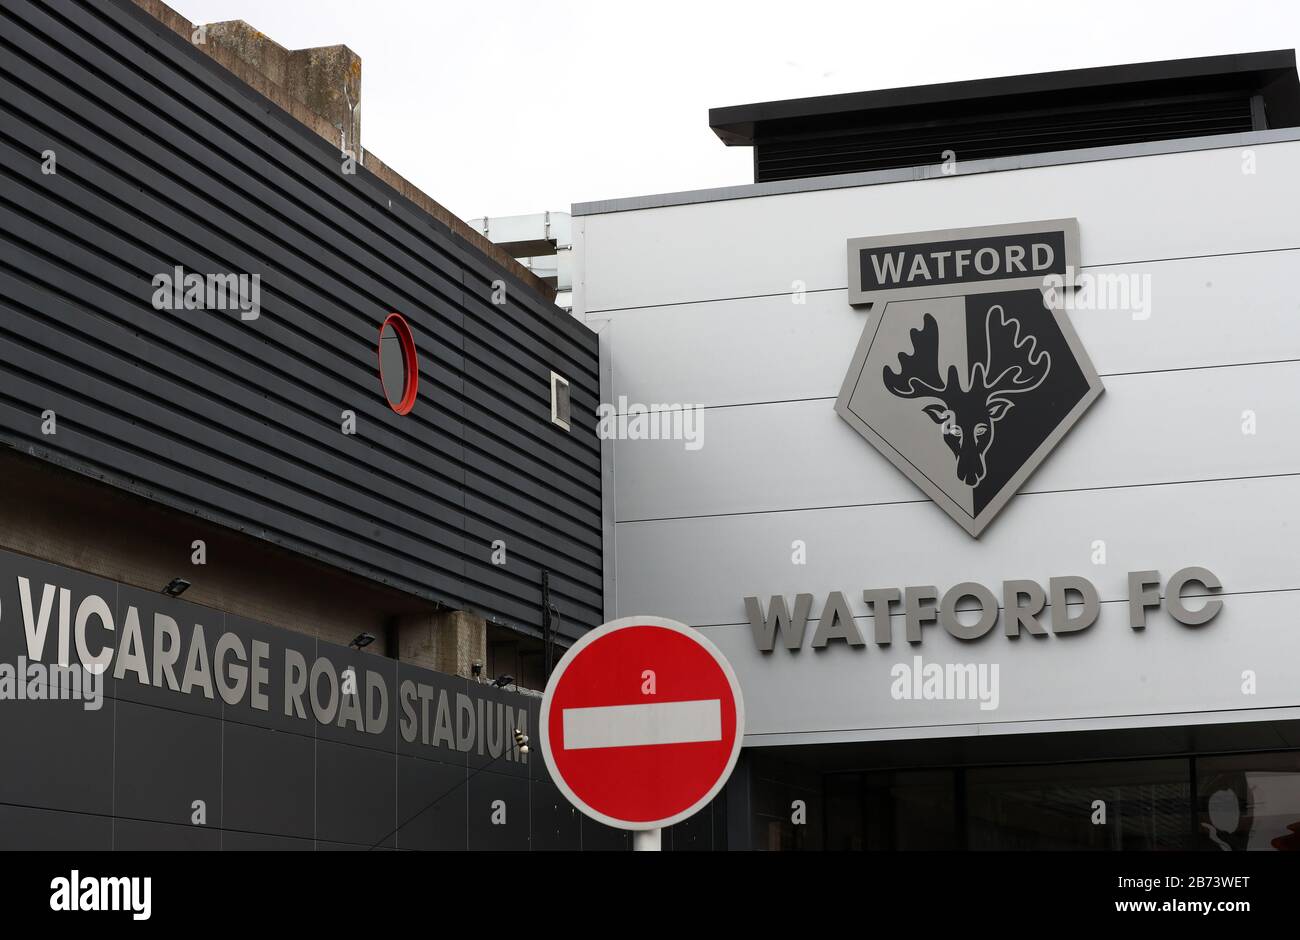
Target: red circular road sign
{"x": 641, "y": 723}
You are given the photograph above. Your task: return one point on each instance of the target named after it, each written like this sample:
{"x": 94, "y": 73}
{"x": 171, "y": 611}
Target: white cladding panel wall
{"x": 699, "y": 308}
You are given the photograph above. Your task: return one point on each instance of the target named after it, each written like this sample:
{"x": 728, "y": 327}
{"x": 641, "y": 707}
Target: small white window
{"x": 560, "y": 400}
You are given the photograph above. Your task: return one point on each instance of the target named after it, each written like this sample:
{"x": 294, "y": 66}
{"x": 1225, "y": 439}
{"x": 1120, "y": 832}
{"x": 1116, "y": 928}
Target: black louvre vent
{"x": 1052, "y": 112}
{"x": 797, "y": 154}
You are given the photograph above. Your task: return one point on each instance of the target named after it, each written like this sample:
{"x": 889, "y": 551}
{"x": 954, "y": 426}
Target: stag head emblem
{"x": 968, "y": 408}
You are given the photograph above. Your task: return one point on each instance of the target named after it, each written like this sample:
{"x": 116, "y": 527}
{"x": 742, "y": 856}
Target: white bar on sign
{"x": 635, "y": 725}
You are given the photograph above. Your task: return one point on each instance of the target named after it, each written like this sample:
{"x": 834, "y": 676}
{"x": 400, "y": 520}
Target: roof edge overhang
{"x": 1273, "y": 73}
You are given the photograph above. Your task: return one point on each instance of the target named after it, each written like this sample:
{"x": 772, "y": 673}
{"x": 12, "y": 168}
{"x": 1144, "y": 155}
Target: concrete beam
{"x": 327, "y": 79}
{"x": 449, "y": 641}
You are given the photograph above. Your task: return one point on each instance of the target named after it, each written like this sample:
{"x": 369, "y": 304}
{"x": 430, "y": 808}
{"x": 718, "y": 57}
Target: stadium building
{"x": 289, "y": 451}
{"x": 965, "y": 431}
{"x": 994, "y": 496}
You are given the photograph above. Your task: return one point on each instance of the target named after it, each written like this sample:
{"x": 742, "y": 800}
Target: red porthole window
{"x": 399, "y": 366}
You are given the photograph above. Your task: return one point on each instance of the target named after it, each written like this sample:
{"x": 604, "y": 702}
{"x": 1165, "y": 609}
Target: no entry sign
{"x": 641, "y": 723}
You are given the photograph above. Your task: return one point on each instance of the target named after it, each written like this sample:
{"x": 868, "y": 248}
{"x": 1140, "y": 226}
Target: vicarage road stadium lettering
{"x": 152, "y": 648}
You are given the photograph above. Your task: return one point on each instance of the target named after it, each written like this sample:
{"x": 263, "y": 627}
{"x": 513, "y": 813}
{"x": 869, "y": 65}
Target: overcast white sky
{"x": 498, "y": 107}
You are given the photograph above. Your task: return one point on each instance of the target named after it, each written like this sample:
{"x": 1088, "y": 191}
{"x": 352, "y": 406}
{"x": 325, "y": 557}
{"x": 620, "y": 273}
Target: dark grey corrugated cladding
{"x": 163, "y": 158}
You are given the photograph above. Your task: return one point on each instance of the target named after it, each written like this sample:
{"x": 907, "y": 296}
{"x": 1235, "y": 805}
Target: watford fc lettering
{"x": 963, "y": 261}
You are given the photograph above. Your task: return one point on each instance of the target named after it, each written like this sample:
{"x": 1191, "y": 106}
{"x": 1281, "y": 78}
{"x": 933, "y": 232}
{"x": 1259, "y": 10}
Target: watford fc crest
{"x": 968, "y": 372}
